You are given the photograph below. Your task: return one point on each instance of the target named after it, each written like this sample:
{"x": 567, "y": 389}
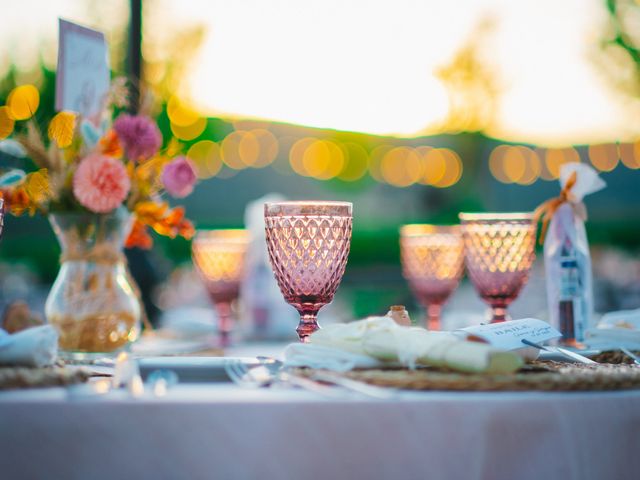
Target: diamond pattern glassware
{"x": 308, "y": 244}
{"x": 432, "y": 258}
{"x": 499, "y": 253}
{"x": 219, "y": 257}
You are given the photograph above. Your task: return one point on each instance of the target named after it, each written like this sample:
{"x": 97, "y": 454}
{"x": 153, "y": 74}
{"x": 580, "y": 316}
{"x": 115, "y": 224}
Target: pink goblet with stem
{"x": 432, "y": 258}
{"x": 308, "y": 244}
{"x": 499, "y": 252}
{"x": 219, "y": 257}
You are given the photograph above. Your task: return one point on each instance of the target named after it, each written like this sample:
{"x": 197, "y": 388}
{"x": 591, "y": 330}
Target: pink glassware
{"x": 219, "y": 257}
{"x": 432, "y": 260}
{"x": 499, "y": 252}
{"x": 308, "y": 244}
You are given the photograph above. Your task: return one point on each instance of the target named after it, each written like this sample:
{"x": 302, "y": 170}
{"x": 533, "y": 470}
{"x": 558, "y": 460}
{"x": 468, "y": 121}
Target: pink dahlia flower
{"x": 101, "y": 183}
{"x": 139, "y": 135}
{"x": 179, "y": 177}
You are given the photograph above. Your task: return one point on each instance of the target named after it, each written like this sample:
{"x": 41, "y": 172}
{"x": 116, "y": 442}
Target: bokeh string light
{"x": 630, "y": 154}
{"x": 206, "y": 157}
{"x": 604, "y": 157}
{"x": 253, "y": 145}
{"x": 356, "y": 162}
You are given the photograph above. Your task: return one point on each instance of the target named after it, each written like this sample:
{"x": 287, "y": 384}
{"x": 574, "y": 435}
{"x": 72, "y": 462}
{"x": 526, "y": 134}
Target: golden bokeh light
{"x": 434, "y": 166}
{"x": 356, "y": 162}
{"x": 268, "y": 147}
{"x": 249, "y": 149}
{"x": 545, "y": 174}
{"x": 496, "y": 163}
{"x": 422, "y": 150}
{"x": 181, "y": 114}
{"x": 206, "y": 157}
{"x": 323, "y": 159}
{"x": 515, "y": 164}
{"x": 231, "y": 151}
{"x": 604, "y": 157}
{"x": 23, "y": 102}
{"x": 401, "y": 167}
{"x": 375, "y": 161}
{"x": 189, "y": 132}
{"x": 296, "y": 155}
{"x": 532, "y": 166}
{"x": 453, "y": 168}
{"x": 556, "y": 157}
{"x": 630, "y": 154}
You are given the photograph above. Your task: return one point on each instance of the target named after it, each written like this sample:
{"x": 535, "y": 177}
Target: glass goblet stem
{"x": 308, "y": 324}
{"x": 498, "y": 313}
{"x": 225, "y": 322}
{"x": 433, "y": 316}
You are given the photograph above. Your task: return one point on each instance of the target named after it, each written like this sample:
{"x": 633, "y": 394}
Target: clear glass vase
{"x": 93, "y": 302}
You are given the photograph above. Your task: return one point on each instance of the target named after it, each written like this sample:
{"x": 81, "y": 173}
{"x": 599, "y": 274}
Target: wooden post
{"x": 134, "y": 54}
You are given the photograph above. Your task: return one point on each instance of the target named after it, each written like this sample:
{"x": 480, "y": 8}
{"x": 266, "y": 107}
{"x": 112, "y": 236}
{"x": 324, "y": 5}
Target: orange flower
{"x": 110, "y": 145}
{"x": 139, "y": 237}
{"x": 17, "y": 201}
{"x": 151, "y": 212}
{"x": 165, "y": 221}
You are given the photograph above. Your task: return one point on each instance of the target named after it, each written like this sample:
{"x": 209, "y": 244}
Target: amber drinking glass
{"x": 219, "y": 257}
{"x": 499, "y": 253}
{"x": 308, "y": 244}
{"x": 432, "y": 258}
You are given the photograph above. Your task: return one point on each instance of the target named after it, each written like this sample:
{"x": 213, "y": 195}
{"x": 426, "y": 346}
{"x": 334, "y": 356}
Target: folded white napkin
{"x": 33, "y": 347}
{"x": 615, "y": 330}
{"x": 328, "y": 358}
{"x": 383, "y": 339}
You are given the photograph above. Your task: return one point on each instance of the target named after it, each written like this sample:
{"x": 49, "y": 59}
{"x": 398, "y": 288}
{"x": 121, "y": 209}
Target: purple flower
{"x": 139, "y": 135}
{"x": 179, "y": 177}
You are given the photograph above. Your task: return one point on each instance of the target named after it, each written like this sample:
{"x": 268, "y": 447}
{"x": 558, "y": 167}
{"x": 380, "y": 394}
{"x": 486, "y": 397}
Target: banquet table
{"x": 204, "y": 431}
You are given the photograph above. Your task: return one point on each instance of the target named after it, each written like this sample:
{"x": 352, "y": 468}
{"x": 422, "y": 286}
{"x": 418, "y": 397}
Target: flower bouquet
{"x": 101, "y": 184}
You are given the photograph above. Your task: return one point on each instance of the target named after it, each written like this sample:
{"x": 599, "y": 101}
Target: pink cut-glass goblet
{"x": 308, "y": 244}
{"x": 432, "y": 260}
{"x": 499, "y": 252}
{"x": 219, "y": 257}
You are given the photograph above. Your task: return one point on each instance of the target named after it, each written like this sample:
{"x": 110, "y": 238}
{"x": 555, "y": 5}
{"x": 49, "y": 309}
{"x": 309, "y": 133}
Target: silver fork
{"x": 272, "y": 371}
{"x": 262, "y": 376}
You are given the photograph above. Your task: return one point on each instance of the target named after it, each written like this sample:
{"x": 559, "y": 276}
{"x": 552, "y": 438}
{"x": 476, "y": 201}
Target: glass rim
{"x": 495, "y": 216}
{"x": 226, "y": 235}
{"x": 309, "y": 207}
{"x": 419, "y": 229}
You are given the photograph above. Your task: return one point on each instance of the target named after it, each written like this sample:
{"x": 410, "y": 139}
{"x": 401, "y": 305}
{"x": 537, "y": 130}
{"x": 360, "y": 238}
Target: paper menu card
{"x": 83, "y": 75}
{"x": 509, "y": 335}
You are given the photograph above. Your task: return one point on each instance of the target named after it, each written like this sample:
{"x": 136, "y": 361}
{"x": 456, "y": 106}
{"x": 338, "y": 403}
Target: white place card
{"x": 509, "y": 335}
{"x": 83, "y": 76}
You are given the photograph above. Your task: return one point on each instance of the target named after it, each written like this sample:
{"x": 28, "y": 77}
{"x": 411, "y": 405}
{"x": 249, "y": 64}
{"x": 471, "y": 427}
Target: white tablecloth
{"x": 220, "y": 432}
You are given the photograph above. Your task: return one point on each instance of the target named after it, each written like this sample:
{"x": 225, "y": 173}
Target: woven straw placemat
{"x": 25, "y": 377}
{"x": 541, "y": 376}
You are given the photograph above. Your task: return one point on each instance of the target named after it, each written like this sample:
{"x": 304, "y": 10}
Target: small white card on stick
{"x": 509, "y": 335}
{"x": 82, "y": 78}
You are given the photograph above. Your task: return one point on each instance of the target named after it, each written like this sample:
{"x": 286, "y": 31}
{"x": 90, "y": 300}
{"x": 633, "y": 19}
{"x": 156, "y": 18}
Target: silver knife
{"x": 362, "y": 388}
{"x": 631, "y": 355}
{"x": 562, "y": 351}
